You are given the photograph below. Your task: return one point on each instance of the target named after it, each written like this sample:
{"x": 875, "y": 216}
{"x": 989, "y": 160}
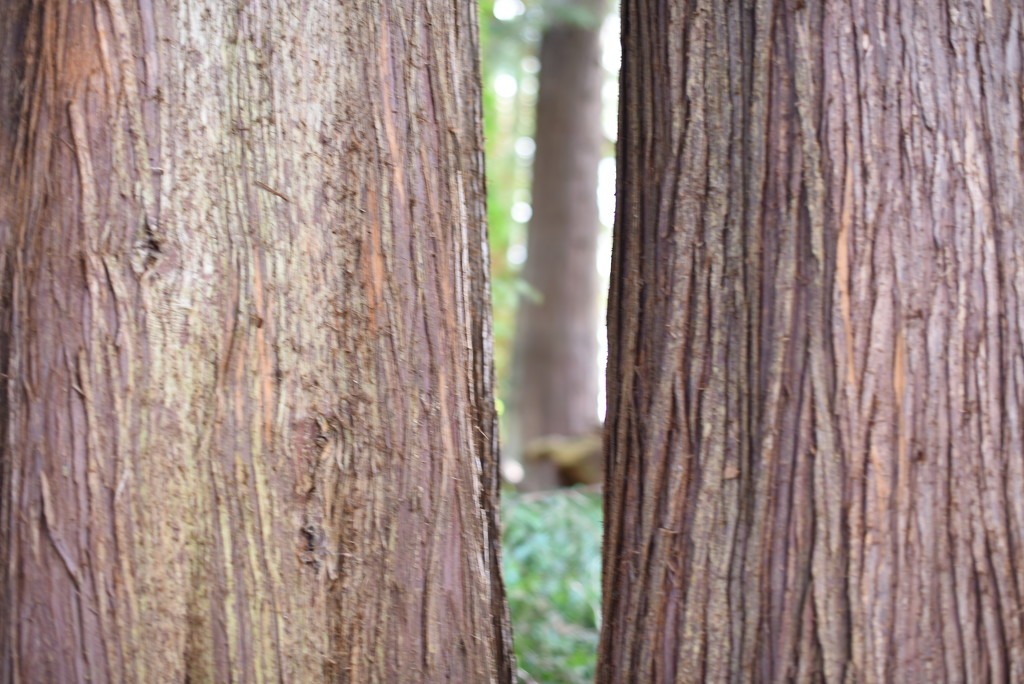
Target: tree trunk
{"x": 556, "y": 335}
{"x": 816, "y": 387}
{"x": 245, "y": 405}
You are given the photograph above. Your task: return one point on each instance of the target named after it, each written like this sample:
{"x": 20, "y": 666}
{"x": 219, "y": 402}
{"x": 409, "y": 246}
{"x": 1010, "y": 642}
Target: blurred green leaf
{"x": 552, "y": 563}
{"x": 529, "y": 292}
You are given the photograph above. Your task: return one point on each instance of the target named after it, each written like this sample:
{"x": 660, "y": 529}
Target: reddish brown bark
{"x": 815, "y": 427}
{"x": 245, "y": 401}
{"x": 556, "y": 334}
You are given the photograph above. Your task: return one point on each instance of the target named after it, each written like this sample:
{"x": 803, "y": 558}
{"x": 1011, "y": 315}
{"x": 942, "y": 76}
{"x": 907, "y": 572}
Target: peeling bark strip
{"x": 245, "y": 377}
{"x": 816, "y": 385}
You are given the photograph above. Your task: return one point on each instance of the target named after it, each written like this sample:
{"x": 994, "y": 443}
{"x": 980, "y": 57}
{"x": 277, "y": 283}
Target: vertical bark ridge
{"x": 814, "y": 423}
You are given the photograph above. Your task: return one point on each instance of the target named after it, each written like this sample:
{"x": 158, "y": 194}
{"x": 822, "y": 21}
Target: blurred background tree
{"x": 556, "y": 300}
{"x": 554, "y": 381}
{"x": 552, "y": 540}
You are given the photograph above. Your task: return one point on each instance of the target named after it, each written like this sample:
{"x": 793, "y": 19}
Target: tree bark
{"x": 556, "y": 333}
{"x": 245, "y": 378}
{"x": 816, "y": 394}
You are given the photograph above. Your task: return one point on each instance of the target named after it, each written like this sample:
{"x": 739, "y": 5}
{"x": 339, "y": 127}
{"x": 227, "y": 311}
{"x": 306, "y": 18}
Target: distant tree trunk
{"x": 245, "y": 405}
{"x": 816, "y": 387}
{"x": 556, "y": 335}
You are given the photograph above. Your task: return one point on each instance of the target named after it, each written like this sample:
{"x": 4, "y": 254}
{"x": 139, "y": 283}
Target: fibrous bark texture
{"x": 816, "y": 385}
{"x": 556, "y": 336}
{"x": 245, "y": 379}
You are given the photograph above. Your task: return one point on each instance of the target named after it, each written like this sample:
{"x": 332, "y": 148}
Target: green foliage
{"x": 552, "y": 563}
{"x": 504, "y": 46}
